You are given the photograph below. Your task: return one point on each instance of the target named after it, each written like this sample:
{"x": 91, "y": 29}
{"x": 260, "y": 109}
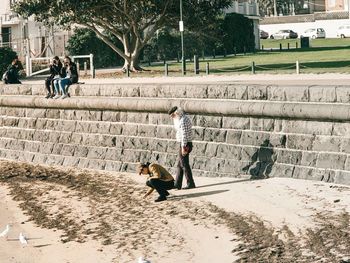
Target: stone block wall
{"x": 239, "y": 130}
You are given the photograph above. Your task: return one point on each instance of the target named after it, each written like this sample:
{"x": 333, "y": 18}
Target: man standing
{"x": 183, "y": 126}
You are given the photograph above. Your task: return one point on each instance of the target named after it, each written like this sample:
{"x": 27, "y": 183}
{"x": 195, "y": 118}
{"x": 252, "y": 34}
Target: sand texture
{"x": 71, "y": 215}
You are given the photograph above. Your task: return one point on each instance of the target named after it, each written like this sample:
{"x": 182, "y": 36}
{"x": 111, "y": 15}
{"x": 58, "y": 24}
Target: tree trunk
{"x": 132, "y": 62}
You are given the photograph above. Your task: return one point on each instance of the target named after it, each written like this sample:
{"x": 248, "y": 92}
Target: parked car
{"x": 314, "y": 33}
{"x": 264, "y": 34}
{"x": 343, "y": 31}
{"x": 284, "y": 34}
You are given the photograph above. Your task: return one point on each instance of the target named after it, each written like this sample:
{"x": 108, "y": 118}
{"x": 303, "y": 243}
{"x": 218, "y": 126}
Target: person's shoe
{"x": 176, "y": 187}
{"x": 64, "y": 96}
{"x": 189, "y": 187}
{"x": 68, "y": 94}
{"x": 167, "y": 193}
{"x": 160, "y": 199}
{"x": 48, "y": 96}
{"x": 56, "y": 97}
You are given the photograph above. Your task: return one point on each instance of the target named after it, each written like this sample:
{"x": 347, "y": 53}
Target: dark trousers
{"x": 161, "y": 186}
{"x": 183, "y": 167}
{"x": 49, "y": 85}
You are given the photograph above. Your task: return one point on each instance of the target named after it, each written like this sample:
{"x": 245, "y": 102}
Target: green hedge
{"x": 238, "y": 34}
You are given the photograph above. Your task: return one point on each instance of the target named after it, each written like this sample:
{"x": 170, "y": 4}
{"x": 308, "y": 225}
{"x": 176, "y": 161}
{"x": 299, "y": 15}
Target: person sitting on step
{"x": 55, "y": 70}
{"x": 69, "y": 76}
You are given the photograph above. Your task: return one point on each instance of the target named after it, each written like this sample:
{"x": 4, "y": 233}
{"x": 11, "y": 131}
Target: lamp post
{"x": 181, "y": 27}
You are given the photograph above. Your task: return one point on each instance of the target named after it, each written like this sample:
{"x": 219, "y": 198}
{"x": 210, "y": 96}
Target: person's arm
{"x": 150, "y": 191}
{"x": 185, "y": 127}
{"x": 63, "y": 72}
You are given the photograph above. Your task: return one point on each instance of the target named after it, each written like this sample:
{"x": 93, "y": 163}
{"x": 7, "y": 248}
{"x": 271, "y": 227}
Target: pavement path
{"x": 266, "y": 79}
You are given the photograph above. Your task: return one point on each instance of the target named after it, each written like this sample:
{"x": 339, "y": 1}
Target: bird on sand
{"x": 5, "y": 232}
{"x": 22, "y": 239}
{"x": 142, "y": 260}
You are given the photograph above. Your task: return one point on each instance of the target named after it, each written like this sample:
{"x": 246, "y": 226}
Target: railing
{"x": 29, "y": 64}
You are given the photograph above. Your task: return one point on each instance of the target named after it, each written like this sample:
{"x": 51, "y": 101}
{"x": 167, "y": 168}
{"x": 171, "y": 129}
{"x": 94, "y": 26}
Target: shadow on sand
{"x": 222, "y": 183}
{"x": 193, "y": 195}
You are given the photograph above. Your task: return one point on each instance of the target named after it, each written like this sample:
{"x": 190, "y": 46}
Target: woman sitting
{"x": 69, "y": 76}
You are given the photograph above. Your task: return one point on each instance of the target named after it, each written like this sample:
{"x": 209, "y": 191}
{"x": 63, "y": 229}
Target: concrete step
{"x": 259, "y": 109}
{"x": 232, "y": 91}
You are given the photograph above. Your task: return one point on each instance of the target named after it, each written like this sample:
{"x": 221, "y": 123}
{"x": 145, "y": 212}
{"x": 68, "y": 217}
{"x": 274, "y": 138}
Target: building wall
{"x": 336, "y": 5}
{"x": 42, "y": 41}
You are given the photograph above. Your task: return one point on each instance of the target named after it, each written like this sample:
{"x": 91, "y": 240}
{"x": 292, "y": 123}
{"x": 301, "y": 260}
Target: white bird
{"x": 5, "y": 232}
{"x": 22, "y": 239}
{"x": 142, "y": 260}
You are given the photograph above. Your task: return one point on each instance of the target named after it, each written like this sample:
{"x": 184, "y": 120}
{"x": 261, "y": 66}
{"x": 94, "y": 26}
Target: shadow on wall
{"x": 262, "y": 161}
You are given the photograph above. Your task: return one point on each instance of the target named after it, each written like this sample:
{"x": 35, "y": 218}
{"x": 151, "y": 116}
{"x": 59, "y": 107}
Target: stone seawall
{"x": 239, "y": 130}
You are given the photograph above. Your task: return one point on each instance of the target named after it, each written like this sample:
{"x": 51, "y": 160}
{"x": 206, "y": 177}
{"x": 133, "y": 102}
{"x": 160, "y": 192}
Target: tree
{"x": 132, "y": 22}
{"x": 84, "y": 41}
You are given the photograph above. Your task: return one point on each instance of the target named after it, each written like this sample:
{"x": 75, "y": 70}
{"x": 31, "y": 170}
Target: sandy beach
{"x": 87, "y": 216}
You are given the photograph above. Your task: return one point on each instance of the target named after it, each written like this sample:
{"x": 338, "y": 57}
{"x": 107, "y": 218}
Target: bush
{"x": 238, "y": 34}
{"x": 6, "y": 57}
{"x": 84, "y": 42}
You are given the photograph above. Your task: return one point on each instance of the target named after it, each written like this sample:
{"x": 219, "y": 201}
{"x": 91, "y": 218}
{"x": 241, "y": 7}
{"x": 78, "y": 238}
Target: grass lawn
{"x": 320, "y": 59}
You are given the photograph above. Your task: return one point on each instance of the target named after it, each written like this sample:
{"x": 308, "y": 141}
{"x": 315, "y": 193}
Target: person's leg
{"x": 52, "y": 88}
{"x": 159, "y": 185}
{"x": 179, "y": 171}
{"x": 63, "y": 83}
{"x": 187, "y": 168}
{"x": 148, "y": 183}
{"x": 47, "y": 86}
{"x": 57, "y": 88}
{"x": 168, "y": 186}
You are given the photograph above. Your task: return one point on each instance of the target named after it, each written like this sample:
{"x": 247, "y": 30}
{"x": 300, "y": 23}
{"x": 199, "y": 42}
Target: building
{"x": 250, "y": 9}
{"x": 27, "y": 37}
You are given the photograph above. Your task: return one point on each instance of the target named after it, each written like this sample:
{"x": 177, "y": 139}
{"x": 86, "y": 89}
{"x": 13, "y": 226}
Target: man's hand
{"x": 184, "y": 150}
{"x": 148, "y": 193}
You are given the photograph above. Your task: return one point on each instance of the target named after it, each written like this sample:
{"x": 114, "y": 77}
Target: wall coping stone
{"x": 251, "y": 108}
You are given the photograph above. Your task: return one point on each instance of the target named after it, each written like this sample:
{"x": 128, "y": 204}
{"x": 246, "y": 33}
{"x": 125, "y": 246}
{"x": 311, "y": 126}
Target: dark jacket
{"x": 55, "y": 69}
{"x": 74, "y": 78}
{"x": 12, "y": 75}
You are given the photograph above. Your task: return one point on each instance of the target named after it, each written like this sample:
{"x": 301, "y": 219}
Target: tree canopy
{"x": 132, "y": 22}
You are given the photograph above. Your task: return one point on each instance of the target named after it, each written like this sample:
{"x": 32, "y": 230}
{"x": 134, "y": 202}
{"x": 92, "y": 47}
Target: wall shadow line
{"x": 222, "y": 183}
{"x": 193, "y": 195}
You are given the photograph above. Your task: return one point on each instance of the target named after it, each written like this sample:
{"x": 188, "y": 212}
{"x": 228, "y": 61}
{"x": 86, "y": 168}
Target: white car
{"x": 314, "y": 33}
{"x": 284, "y": 34}
{"x": 343, "y": 31}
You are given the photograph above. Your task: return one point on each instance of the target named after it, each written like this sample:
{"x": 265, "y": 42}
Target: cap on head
{"x": 172, "y": 110}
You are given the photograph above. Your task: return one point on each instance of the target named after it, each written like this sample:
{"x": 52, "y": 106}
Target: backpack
{"x": 5, "y": 77}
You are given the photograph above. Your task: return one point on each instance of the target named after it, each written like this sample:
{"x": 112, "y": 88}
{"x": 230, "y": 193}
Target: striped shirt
{"x": 184, "y": 130}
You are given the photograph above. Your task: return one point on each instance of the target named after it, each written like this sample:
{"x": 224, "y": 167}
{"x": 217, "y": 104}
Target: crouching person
{"x": 159, "y": 179}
